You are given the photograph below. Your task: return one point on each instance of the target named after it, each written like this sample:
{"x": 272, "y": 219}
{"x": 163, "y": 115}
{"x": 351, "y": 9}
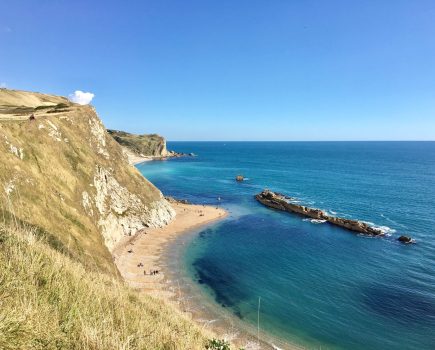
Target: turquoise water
{"x": 319, "y": 284}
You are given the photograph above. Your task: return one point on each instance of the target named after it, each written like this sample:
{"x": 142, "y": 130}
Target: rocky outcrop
{"x": 405, "y": 239}
{"x": 122, "y": 213}
{"x": 282, "y": 202}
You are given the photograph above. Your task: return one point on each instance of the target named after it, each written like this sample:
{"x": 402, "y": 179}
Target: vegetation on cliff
{"x": 142, "y": 145}
{"x": 49, "y": 301}
{"x": 62, "y": 173}
{"x": 67, "y": 195}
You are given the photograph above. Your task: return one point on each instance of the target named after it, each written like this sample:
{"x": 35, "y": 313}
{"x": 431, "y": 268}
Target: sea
{"x": 295, "y": 282}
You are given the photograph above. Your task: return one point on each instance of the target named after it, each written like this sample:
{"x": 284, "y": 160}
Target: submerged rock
{"x": 405, "y": 239}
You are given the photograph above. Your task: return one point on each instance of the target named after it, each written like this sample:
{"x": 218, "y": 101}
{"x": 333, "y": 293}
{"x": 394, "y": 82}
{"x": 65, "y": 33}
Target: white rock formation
{"x": 86, "y": 202}
{"x": 18, "y": 152}
{"x": 122, "y": 213}
{"x": 99, "y": 136}
{"x": 54, "y": 132}
{"x": 9, "y": 187}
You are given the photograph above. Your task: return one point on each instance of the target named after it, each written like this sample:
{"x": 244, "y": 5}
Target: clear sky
{"x": 233, "y": 69}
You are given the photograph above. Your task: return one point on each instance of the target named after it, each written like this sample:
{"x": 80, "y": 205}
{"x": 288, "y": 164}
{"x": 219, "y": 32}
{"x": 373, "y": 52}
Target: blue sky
{"x": 233, "y": 70}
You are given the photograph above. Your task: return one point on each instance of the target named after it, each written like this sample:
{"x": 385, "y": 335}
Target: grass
{"x": 48, "y": 301}
{"x": 50, "y": 179}
{"x": 59, "y": 288}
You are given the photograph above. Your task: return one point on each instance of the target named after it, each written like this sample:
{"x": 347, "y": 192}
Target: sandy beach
{"x": 138, "y": 257}
{"x": 135, "y": 159}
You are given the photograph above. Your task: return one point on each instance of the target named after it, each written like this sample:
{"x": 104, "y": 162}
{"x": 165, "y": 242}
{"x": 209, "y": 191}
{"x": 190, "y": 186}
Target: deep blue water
{"x": 319, "y": 284}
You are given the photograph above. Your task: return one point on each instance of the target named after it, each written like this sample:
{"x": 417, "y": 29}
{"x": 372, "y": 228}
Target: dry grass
{"x": 59, "y": 288}
{"x": 48, "y": 301}
{"x": 50, "y": 177}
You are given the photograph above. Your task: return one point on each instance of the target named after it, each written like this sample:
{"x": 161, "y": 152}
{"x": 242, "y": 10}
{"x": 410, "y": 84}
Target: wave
{"x": 387, "y": 231}
{"x": 206, "y": 321}
{"x": 369, "y": 223}
{"x": 392, "y": 221}
{"x": 314, "y": 221}
{"x": 275, "y": 347}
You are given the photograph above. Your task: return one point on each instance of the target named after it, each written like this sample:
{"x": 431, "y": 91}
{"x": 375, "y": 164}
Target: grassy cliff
{"x": 67, "y": 196}
{"x": 62, "y": 173}
{"x": 49, "y": 301}
{"x": 142, "y": 145}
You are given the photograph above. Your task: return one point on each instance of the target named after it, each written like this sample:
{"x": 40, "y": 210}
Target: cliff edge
{"x": 63, "y": 174}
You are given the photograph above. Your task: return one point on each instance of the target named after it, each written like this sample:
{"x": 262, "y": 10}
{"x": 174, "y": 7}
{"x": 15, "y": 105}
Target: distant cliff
{"x": 143, "y": 145}
{"x": 63, "y": 174}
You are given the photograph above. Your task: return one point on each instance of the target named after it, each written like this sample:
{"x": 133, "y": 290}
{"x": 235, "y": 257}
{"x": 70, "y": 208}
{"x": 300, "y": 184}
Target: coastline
{"x": 201, "y": 307}
{"x": 138, "y": 256}
{"x": 135, "y": 159}
{"x": 161, "y": 249}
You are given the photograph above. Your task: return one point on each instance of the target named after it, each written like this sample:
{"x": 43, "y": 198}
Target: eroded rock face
{"x": 282, "y": 202}
{"x": 99, "y": 136}
{"x": 86, "y": 202}
{"x": 122, "y": 213}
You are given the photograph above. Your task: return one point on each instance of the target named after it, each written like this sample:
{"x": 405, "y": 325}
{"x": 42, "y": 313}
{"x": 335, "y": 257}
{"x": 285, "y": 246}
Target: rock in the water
{"x": 281, "y": 202}
{"x": 240, "y": 178}
{"x": 405, "y": 239}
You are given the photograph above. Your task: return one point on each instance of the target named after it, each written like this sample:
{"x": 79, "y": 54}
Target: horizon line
{"x": 300, "y": 140}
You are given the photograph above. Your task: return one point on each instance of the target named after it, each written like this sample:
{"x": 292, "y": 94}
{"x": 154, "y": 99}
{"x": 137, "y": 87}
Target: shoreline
{"x": 138, "y": 258}
{"x": 135, "y": 159}
{"x": 201, "y": 307}
{"x": 149, "y": 250}
{"x": 160, "y": 249}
